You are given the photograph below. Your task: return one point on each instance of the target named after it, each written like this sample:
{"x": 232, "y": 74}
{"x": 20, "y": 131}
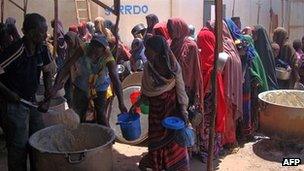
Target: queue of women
{"x": 177, "y": 69}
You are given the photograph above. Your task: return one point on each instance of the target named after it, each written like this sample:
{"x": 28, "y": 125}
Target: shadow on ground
{"x": 126, "y": 163}
{"x": 275, "y": 151}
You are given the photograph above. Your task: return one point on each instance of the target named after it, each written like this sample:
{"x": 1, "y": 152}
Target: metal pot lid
{"x": 120, "y": 69}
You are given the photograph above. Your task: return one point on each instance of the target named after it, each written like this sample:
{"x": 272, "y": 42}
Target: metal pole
{"x": 218, "y": 49}
{"x": 2, "y": 11}
{"x": 55, "y": 27}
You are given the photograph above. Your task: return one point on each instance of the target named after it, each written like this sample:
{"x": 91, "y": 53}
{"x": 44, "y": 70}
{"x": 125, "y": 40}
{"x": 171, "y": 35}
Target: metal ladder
{"x": 83, "y": 11}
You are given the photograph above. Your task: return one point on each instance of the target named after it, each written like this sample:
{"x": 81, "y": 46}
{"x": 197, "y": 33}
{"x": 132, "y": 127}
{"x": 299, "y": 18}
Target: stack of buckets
{"x": 130, "y": 122}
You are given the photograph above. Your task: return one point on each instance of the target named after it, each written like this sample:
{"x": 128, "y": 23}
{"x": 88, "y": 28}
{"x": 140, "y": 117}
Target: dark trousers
{"x": 20, "y": 122}
{"x": 80, "y": 103}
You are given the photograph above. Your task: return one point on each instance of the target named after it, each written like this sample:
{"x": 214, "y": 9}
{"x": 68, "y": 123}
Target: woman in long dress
{"x": 163, "y": 88}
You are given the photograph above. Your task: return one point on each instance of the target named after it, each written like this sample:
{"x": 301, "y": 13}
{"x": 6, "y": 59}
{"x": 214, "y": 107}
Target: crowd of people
{"x": 177, "y": 68}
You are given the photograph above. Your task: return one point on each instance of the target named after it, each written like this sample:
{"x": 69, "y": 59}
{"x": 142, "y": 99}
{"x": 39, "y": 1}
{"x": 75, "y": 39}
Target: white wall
{"x": 67, "y": 12}
{"x": 248, "y": 10}
{"x": 190, "y": 10}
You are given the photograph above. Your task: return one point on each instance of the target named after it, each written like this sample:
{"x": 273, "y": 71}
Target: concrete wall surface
{"x": 132, "y": 12}
{"x": 290, "y": 16}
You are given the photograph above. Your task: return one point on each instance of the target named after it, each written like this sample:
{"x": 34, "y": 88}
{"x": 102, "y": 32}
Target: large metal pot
{"x": 91, "y": 149}
{"x": 282, "y": 115}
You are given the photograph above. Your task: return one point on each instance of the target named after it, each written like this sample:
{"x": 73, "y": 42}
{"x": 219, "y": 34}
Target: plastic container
{"x": 134, "y": 97}
{"x": 144, "y": 108}
{"x": 129, "y": 125}
{"x": 173, "y": 123}
{"x": 186, "y": 137}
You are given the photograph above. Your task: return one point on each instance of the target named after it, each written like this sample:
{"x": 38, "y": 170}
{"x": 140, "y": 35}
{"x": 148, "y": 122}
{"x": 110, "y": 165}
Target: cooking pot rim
{"x": 104, "y": 146}
{"x": 261, "y": 95}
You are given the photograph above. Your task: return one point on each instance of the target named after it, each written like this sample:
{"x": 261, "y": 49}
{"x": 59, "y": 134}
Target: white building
{"x": 289, "y": 13}
{"x": 195, "y": 12}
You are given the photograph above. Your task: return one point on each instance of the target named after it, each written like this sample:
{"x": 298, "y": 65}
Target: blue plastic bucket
{"x": 129, "y": 125}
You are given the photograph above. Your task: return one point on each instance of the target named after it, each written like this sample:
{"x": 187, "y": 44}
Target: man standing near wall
{"x": 22, "y": 63}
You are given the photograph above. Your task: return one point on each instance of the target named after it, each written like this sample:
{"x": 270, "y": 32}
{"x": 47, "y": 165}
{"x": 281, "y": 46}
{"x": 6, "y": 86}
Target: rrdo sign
{"x": 131, "y": 10}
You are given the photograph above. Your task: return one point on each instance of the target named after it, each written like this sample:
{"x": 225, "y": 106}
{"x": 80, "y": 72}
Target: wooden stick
{"x": 218, "y": 49}
{"x": 105, "y": 6}
{"x": 89, "y": 10}
{"x": 271, "y": 18}
{"x": 25, "y": 3}
{"x": 18, "y": 6}
{"x": 282, "y": 11}
{"x": 2, "y": 11}
{"x": 259, "y": 11}
{"x": 55, "y": 43}
{"x": 233, "y": 8}
{"x": 117, "y": 10}
{"x": 289, "y": 16}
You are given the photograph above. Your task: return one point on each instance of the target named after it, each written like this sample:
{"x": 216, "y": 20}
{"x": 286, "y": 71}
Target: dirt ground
{"x": 261, "y": 155}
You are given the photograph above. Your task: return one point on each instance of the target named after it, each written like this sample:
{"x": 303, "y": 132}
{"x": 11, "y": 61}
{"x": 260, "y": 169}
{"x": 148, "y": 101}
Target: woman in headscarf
{"x": 254, "y": 78}
{"x": 297, "y": 45}
{"x": 109, "y": 25}
{"x": 186, "y": 53}
{"x": 101, "y": 29}
{"x": 138, "y": 57}
{"x": 73, "y": 43}
{"x": 206, "y": 42}
{"x": 74, "y": 29}
{"x": 84, "y": 34}
{"x": 263, "y": 47}
{"x": 288, "y": 55}
{"x": 152, "y": 19}
{"x": 162, "y": 30}
{"x": 163, "y": 88}
{"x": 10, "y": 24}
{"x": 95, "y": 70}
{"x": 90, "y": 27}
{"x": 5, "y": 38}
{"x": 233, "y": 80}
{"x": 61, "y": 44}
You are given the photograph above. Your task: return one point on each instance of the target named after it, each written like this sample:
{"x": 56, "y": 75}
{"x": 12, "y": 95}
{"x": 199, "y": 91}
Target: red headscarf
{"x": 186, "y": 53}
{"x": 74, "y": 29}
{"x": 162, "y": 30}
{"x": 206, "y": 42}
{"x": 83, "y": 32}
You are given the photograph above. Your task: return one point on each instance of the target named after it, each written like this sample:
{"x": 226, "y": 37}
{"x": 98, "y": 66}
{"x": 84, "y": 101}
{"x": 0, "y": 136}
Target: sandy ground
{"x": 254, "y": 156}
{"x": 261, "y": 155}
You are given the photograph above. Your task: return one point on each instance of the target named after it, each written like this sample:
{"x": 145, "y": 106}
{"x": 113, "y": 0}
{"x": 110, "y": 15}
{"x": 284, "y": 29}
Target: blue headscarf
{"x": 237, "y": 35}
{"x": 234, "y": 30}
